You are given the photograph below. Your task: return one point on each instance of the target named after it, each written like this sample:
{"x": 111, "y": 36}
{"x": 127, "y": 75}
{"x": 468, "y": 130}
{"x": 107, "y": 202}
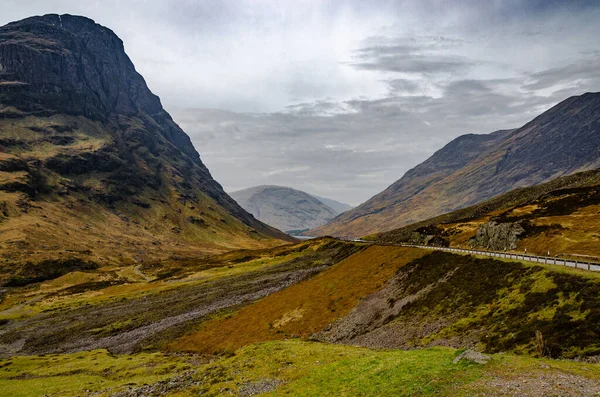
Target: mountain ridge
{"x": 472, "y": 168}
{"x": 335, "y": 205}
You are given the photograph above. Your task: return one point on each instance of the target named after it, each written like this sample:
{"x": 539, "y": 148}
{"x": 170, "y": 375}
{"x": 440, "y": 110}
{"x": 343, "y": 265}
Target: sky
{"x": 341, "y": 98}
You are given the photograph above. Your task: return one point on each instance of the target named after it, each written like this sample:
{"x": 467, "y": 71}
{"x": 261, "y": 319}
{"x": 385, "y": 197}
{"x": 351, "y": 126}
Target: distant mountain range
{"x": 91, "y": 165}
{"x": 287, "y": 209}
{"x": 472, "y": 168}
{"x": 333, "y": 204}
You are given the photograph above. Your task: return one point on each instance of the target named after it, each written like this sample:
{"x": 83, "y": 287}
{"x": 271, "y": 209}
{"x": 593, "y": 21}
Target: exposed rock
{"x": 472, "y": 355}
{"x": 180, "y": 382}
{"x": 431, "y": 236}
{"x": 497, "y": 236}
{"x": 259, "y": 387}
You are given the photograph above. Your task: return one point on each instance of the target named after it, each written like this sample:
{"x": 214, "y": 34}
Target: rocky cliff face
{"x": 473, "y": 168}
{"x": 285, "y": 208}
{"x": 497, "y": 236}
{"x": 81, "y": 133}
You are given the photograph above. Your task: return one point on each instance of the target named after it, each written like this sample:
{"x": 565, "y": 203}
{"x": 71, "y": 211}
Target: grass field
{"x": 300, "y": 369}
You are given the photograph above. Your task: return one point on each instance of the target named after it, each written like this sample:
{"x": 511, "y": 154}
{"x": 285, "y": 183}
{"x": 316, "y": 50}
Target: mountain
{"x": 560, "y": 216}
{"x": 333, "y": 204}
{"x": 91, "y": 165}
{"x": 472, "y": 168}
{"x": 284, "y": 208}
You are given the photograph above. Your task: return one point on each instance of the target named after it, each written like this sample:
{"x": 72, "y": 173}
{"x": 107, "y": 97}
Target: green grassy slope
{"x": 298, "y": 369}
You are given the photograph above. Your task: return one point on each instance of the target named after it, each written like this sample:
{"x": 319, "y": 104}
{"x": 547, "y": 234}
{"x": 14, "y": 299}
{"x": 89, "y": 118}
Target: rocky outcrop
{"x": 472, "y": 356}
{"x": 430, "y": 236}
{"x": 497, "y": 236}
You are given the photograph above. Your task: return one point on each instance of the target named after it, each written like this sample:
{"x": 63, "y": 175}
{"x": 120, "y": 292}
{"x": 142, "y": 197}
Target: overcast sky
{"x": 340, "y": 98}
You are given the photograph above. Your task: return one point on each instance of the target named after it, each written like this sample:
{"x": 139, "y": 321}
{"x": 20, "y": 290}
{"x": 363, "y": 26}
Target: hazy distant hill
{"x": 333, "y": 204}
{"x": 91, "y": 165}
{"x": 473, "y": 168}
{"x": 284, "y": 208}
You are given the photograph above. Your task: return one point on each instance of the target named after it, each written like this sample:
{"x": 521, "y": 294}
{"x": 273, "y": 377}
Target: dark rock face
{"x": 83, "y": 117}
{"x": 80, "y": 68}
{"x": 497, "y": 236}
{"x": 472, "y": 168}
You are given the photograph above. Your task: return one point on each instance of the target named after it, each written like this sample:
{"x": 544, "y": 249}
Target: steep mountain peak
{"x": 81, "y": 131}
{"x": 81, "y": 68}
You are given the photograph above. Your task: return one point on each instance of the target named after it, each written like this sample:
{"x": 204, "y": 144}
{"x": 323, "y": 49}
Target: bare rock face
{"x": 80, "y": 68}
{"x": 429, "y": 235}
{"x": 497, "y": 236}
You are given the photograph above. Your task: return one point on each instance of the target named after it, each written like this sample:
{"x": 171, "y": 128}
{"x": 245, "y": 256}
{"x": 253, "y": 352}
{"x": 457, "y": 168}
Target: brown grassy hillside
{"x": 392, "y": 297}
{"x": 561, "y": 216}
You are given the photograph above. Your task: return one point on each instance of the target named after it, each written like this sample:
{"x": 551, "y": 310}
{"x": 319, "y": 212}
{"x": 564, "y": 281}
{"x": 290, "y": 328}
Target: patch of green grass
{"x": 317, "y": 369}
{"x": 289, "y": 367}
{"x": 73, "y": 374}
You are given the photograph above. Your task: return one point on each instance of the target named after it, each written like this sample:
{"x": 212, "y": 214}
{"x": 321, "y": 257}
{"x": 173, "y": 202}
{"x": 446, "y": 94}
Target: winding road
{"x": 548, "y": 260}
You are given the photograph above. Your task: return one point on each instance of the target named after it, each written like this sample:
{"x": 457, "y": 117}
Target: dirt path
{"x": 21, "y": 305}
{"x": 137, "y": 271}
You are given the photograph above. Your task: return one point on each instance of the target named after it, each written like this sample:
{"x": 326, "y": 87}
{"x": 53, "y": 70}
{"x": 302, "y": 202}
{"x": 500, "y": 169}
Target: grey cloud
{"x": 416, "y": 64}
{"x": 399, "y": 86}
{"x": 411, "y": 55}
{"x": 587, "y": 69}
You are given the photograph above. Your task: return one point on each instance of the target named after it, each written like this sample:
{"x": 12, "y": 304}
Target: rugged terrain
{"x": 561, "y": 217}
{"x": 473, "y": 168}
{"x": 92, "y": 168}
{"x": 122, "y": 273}
{"x": 284, "y": 208}
{"x": 303, "y": 319}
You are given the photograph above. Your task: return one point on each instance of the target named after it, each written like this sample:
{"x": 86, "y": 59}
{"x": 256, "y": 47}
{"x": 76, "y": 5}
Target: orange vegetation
{"x": 304, "y": 308}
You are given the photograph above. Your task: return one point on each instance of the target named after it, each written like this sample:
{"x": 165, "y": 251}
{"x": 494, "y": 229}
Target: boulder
{"x": 473, "y": 356}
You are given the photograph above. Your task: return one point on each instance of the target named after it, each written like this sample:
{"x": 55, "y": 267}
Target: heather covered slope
{"x": 560, "y": 216}
{"x": 285, "y": 208}
{"x": 395, "y": 297}
{"x": 473, "y": 168}
{"x": 262, "y": 307}
{"x": 91, "y": 166}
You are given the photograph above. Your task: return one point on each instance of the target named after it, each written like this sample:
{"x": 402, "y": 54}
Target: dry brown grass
{"x": 305, "y": 308}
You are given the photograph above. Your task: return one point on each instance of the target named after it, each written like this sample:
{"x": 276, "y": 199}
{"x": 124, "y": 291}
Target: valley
{"x": 127, "y": 270}
{"x": 286, "y": 319}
